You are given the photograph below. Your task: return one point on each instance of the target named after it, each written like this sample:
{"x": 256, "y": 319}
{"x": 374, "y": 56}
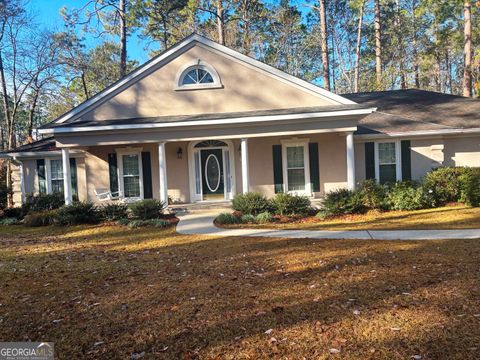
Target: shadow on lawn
{"x": 205, "y": 297}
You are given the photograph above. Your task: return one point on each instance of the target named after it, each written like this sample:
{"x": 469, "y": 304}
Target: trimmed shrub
{"x": 6, "y": 221}
{"x": 158, "y": 223}
{"x": 264, "y": 217}
{"x": 147, "y": 209}
{"x": 113, "y": 211}
{"x": 77, "y": 213}
{"x": 342, "y": 201}
{"x": 287, "y": 204}
{"x": 42, "y": 202}
{"x": 406, "y": 196}
{"x": 251, "y": 203}
{"x": 470, "y": 186}
{"x": 123, "y": 221}
{"x": 226, "y": 218}
{"x": 14, "y": 212}
{"x": 40, "y": 218}
{"x": 248, "y": 219}
{"x": 444, "y": 184}
{"x": 373, "y": 195}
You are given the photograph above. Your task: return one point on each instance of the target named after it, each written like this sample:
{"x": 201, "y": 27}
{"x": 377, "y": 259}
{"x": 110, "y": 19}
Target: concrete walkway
{"x": 201, "y": 223}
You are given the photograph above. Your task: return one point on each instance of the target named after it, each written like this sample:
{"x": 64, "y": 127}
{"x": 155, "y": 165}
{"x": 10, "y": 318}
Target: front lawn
{"x": 448, "y": 217}
{"x": 111, "y": 292}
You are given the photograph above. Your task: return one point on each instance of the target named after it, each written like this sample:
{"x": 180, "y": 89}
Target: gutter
{"x": 238, "y": 120}
{"x": 419, "y": 133}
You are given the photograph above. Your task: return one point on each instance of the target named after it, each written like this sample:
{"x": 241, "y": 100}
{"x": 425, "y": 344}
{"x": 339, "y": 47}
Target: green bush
{"x": 42, "y": 202}
{"x": 373, "y": 195}
{"x": 113, "y": 211}
{"x": 287, "y": 204}
{"x": 9, "y": 221}
{"x": 123, "y": 221}
{"x": 264, "y": 217}
{"x": 407, "y": 196}
{"x": 77, "y": 213}
{"x": 40, "y": 218}
{"x": 251, "y": 203}
{"x": 444, "y": 184}
{"x": 158, "y": 223}
{"x": 147, "y": 209}
{"x": 14, "y": 212}
{"x": 248, "y": 219}
{"x": 4, "y": 192}
{"x": 226, "y": 218}
{"x": 342, "y": 201}
{"x": 470, "y": 187}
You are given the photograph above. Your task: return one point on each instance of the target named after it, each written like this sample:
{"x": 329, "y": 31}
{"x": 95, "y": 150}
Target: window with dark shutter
{"x": 42, "y": 181}
{"x": 314, "y": 167}
{"x": 147, "y": 175}
{"x": 370, "y": 160}
{"x": 406, "y": 160}
{"x": 113, "y": 173}
{"x": 277, "y": 168}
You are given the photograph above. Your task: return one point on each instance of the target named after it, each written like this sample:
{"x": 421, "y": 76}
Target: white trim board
{"x": 239, "y": 120}
{"x": 187, "y": 43}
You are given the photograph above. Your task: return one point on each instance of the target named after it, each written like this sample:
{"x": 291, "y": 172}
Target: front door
{"x": 212, "y": 174}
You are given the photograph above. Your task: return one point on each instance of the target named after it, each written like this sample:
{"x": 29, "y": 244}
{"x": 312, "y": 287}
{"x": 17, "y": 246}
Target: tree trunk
{"x": 448, "y": 65}
{"x": 220, "y": 22}
{"x": 378, "y": 46}
{"x": 31, "y": 115}
{"x": 357, "y": 49}
{"x": 324, "y": 44}
{"x": 415, "y": 48}
{"x": 467, "y": 72}
{"x": 84, "y": 84}
{"x": 9, "y": 124}
{"x": 123, "y": 38}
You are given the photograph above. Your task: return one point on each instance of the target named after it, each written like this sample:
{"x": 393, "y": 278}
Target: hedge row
{"x": 439, "y": 187}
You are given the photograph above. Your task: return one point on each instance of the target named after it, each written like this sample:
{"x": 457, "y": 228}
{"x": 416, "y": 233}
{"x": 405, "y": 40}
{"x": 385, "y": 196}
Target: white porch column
{"x": 162, "y": 172}
{"x": 22, "y": 180}
{"x": 350, "y": 162}
{"x": 67, "y": 181}
{"x": 245, "y": 174}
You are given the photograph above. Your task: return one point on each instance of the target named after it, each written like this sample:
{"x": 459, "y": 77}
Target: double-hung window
{"x": 388, "y": 167}
{"x": 130, "y": 171}
{"x": 56, "y": 176}
{"x": 296, "y": 170}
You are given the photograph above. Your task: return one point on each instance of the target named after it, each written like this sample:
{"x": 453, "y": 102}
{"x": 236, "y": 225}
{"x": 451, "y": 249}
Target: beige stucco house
{"x": 201, "y": 122}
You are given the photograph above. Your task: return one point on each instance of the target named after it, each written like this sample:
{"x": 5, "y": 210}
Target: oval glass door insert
{"x": 212, "y": 173}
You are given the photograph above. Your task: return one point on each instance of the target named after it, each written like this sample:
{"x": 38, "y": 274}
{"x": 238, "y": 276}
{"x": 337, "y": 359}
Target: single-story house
{"x": 202, "y": 122}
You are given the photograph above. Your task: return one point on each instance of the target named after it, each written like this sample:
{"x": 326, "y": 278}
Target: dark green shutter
{"x": 314, "y": 170}
{"x": 370, "y": 160}
{"x": 406, "y": 160}
{"x": 147, "y": 175}
{"x": 113, "y": 173}
{"x": 42, "y": 182}
{"x": 277, "y": 168}
{"x": 73, "y": 177}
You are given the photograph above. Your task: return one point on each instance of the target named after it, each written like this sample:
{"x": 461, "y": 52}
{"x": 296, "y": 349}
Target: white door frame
{"x": 192, "y": 151}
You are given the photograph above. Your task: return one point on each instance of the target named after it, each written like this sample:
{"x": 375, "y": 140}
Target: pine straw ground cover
{"x": 454, "y": 216}
{"x": 107, "y": 292}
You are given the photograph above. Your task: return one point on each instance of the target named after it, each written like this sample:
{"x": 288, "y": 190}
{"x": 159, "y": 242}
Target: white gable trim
{"x": 184, "y": 45}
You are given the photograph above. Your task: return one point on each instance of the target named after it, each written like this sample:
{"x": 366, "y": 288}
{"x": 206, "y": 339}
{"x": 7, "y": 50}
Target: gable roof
{"x": 170, "y": 53}
{"x": 414, "y": 110}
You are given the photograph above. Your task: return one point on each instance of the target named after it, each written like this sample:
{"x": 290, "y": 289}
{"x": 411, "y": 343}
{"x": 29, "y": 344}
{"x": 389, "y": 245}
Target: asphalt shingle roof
{"x": 416, "y": 110}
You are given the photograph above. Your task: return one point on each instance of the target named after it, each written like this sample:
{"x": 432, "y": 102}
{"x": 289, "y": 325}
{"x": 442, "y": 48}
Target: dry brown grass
{"x": 448, "y": 217}
{"x": 175, "y": 296}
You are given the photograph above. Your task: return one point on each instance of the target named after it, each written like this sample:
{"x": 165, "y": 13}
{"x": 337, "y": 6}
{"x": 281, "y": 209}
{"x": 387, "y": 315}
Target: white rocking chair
{"x": 106, "y": 195}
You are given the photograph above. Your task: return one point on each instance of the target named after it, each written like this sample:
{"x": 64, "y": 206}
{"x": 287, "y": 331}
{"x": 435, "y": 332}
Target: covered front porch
{"x": 214, "y": 170}
{"x": 212, "y": 157}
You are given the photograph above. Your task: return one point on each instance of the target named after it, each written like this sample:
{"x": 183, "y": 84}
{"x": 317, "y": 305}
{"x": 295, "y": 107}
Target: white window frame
{"x": 398, "y": 159}
{"x": 121, "y": 186}
{"x": 185, "y": 69}
{"x": 306, "y": 165}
